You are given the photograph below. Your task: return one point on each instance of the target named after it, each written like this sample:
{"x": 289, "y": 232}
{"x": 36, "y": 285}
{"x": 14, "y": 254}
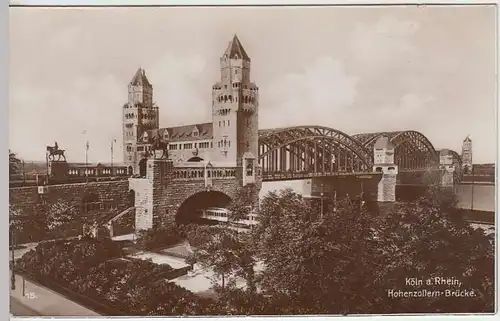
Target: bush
{"x": 93, "y": 268}
{"x": 159, "y": 237}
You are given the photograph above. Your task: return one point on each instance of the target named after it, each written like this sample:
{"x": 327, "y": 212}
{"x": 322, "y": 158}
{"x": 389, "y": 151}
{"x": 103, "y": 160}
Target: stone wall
{"x": 63, "y": 209}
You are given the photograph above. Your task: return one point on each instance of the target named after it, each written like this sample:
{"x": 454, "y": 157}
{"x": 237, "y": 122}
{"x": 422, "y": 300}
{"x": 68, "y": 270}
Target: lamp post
{"x": 335, "y": 200}
{"x": 13, "y": 274}
{"x": 87, "y": 161}
{"x": 113, "y": 140}
{"x": 321, "y": 194}
{"x": 472, "y": 192}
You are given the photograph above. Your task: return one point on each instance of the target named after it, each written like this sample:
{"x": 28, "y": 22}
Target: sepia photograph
{"x": 252, "y": 160}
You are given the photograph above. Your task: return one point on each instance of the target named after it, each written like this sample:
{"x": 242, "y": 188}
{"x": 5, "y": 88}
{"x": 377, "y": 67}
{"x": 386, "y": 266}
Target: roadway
{"x": 18, "y": 309}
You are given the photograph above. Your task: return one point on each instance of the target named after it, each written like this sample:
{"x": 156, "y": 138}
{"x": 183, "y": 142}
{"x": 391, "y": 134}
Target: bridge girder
{"x": 278, "y": 147}
{"x": 310, "y": 149}
{"x": 281, "y": 137}
{"x": 412, "y": 149}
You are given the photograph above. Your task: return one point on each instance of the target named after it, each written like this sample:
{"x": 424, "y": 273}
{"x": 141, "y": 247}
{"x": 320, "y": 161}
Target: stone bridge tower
{"x": 383, "y": 157}
{"x": 467, "y": 155}
{"x": 235, "y": 106}
{"x": 139, "y": 114}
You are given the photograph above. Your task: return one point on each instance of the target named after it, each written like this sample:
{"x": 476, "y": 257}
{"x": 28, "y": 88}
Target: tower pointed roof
{"x": 140, "y": 78}
{"x": 235, "y": 50}
{"x": 467, "y": 139}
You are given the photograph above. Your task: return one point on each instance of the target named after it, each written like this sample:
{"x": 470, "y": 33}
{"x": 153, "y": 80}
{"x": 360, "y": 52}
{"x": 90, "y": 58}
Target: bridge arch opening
{"x": 192, "y": 208}
{"x": 195, "y": 159}
{"x": 142, "y": 167}
{"x": 378, "y": 169}
{"x": 131, "y": 198}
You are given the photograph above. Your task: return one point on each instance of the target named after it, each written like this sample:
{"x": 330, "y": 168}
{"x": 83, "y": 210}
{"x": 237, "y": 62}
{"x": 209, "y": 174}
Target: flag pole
{"x": 86, "y": 161}
{"x": 112, "y": 142}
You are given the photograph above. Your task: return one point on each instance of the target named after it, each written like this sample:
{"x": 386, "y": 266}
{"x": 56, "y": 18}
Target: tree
{"x": 315, "y": 264}
{"x": 429, "y": 239}
{"x": 349, "y": 259}
{"x": 14, "y": 163}
{"x": 243, "y": 203}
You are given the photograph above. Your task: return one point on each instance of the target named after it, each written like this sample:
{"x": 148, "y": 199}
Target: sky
{"x": 355, "y": 69}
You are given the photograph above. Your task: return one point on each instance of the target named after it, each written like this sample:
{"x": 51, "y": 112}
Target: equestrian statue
{"x": 53, "y": 151}
{"x": 159, "y": 144}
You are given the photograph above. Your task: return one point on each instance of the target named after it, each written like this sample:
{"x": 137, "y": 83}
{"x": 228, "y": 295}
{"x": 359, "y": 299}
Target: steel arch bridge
{"x": 311, "y": 151}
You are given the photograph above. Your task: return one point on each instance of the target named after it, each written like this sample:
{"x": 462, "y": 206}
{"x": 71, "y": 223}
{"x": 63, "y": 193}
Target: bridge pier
{"x": 447, "y": 169}
{"x": 383, "y": 151}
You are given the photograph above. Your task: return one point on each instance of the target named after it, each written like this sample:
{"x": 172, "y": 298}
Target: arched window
{"x": 246, "y": 99}
{"x": 225, "y": 98}
{"x": 228, "y": 122}
{"x": 230, "y": 98}
{"x": 249, "y": 169}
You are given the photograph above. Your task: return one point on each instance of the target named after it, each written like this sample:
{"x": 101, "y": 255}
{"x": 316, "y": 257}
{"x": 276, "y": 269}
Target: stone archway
{"x": 190, "y": 210}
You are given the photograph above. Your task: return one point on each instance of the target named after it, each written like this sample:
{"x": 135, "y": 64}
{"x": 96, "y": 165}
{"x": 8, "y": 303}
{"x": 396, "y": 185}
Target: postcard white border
{"x": 4, "y": 119}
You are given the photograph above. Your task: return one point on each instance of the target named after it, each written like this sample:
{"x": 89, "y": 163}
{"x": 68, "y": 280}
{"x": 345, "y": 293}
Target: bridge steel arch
{"x": 413, "y": 151}
{"x": 311, "y": 150}
{"x": 457, "y": 162}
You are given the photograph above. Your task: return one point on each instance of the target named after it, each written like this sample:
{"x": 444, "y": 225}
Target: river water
{"x": 484, "y": 195}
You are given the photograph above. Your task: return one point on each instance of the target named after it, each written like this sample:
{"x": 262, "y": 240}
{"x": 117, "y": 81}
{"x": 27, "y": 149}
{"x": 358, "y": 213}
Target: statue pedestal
{"x": 58, "y": 171}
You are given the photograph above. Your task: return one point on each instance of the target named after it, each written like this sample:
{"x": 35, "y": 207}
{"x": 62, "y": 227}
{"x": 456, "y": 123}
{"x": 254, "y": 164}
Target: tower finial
{"x": 140, "y": 78}
{"x": 235, "y": 50}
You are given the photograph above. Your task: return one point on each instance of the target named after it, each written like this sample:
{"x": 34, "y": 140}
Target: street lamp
{"x": 113, "y": 140}
{"x": 321, "y": 194}
{"x": 13, "y": 274}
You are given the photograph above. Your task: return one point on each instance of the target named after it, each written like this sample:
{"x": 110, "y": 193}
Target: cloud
{"x": 180, "y": 90}
{"x": 308, "y": 97}
{"x": 388, "y": 39}
{"x": 410, "y": 113}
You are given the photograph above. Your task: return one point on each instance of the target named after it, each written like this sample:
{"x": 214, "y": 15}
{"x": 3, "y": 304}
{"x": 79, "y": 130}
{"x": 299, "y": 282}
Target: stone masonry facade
{"x": 61, "y": 210}
{"x": 159, "y": 196}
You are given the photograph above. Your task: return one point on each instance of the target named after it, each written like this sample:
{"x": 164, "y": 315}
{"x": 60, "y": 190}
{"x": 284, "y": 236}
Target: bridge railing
{"x": 278, "y": 175}
{"x": 190, "y": 174}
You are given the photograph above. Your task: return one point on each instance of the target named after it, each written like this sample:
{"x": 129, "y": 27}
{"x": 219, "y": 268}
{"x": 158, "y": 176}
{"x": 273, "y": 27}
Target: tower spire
{"x": 235, "y": 50}
{"x": 140, "y": 78}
